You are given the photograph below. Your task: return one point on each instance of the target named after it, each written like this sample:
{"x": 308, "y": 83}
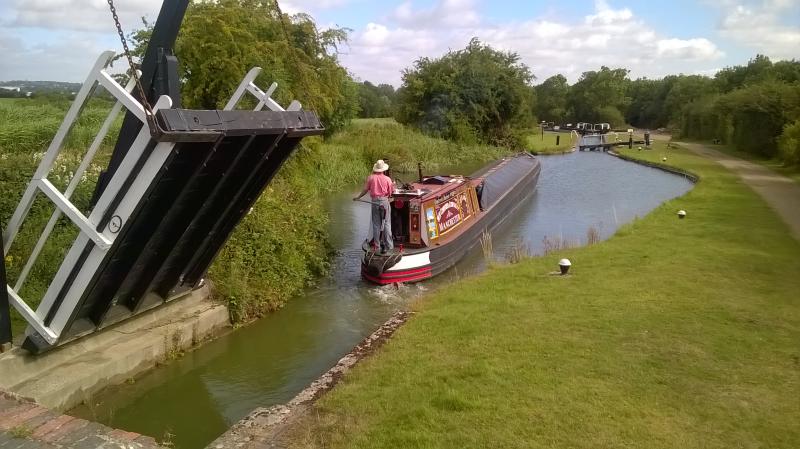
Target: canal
{"x": 192, "y": 400}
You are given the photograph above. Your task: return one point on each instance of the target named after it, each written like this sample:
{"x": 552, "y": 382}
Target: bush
{"x": 789, "y": 144}
{"x": 473, "y": 95}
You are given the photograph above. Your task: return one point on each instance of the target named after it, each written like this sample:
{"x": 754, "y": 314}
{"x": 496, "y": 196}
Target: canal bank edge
{"x": 23, "y": 423}
{"x": 266, "y": 427}
{"x": 667, "y": 168}
{"x": 70, "y": 375}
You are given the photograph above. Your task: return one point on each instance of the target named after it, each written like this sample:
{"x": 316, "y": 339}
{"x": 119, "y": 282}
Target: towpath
{"x": 25, "y": 425}
{"x": 780, "y": 192}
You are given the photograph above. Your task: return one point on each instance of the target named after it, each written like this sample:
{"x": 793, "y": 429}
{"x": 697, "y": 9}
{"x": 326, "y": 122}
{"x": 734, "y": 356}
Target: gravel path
{"x": 780, "y": 192}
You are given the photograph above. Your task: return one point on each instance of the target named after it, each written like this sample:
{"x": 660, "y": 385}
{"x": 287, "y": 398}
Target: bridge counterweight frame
{"x": 84, "y": 271}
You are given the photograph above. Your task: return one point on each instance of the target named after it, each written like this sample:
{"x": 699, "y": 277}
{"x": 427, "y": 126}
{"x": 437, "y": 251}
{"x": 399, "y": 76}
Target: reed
{"x": 592, "y": 235}
{"x": 551, "y": 245}
{"x": 486, "y": 246}
{"x": 518, "y": 252}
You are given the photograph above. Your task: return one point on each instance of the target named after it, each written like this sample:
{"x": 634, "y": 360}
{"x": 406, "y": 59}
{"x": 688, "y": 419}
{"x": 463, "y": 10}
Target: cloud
{"x": 60, "y": 39}
{"x": 607, "y": 36}
{"x": 687, "y": 49}
{"x": 759, "y": 25}
{"x": 304, "y": 6}
{"x": 67, "y": 58}
{"x": 445, "y": 13}
{"x": 605, "y": 15}
{"x": 80, "y": 15}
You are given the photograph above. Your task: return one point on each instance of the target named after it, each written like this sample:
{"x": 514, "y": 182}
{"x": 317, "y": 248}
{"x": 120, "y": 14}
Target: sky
{"x": 58, "y": 40}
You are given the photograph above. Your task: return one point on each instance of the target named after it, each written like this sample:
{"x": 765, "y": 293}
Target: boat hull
{"x": 418, "y": 265}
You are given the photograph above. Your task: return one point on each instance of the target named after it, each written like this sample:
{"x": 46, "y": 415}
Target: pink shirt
{"x": 379, "y": 185}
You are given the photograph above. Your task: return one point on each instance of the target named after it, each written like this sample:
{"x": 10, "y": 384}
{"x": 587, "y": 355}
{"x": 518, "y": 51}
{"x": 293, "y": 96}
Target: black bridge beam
{"x": 159, "y": 68}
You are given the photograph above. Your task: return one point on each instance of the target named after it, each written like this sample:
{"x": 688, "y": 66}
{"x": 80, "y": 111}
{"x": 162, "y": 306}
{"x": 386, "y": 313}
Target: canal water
{"x": 192, "y": 400}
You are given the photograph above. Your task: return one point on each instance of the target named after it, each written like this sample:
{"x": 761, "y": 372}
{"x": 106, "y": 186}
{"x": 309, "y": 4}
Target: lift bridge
{"x": 167, "y": 203}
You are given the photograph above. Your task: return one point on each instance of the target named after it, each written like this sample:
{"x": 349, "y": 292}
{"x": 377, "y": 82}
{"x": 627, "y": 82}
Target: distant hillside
{"x": 42, "y": 86}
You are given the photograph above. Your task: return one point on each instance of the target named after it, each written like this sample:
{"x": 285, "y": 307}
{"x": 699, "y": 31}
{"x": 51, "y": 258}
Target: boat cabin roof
{"x": 431, "y": 187}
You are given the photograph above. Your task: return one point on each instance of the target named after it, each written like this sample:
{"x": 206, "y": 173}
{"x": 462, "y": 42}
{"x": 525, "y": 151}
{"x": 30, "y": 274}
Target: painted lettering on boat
{"x": 448, "y": 216}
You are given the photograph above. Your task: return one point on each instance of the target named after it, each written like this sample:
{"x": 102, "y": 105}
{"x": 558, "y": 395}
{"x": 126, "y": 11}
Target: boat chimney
{"x": 419, "y": 170}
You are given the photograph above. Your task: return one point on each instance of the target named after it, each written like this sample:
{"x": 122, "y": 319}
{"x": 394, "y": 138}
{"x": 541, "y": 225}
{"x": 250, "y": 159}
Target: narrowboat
{"x": 437, "y": 219}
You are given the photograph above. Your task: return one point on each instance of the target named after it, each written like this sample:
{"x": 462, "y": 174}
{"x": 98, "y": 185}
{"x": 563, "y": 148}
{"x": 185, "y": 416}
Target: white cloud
{"x": 605, "y": 15}
{"x": 304, "y": 6}
{"x": 759, "y": 26}
{"x": 445, "y": 13}
{"x": 80, "y": 15}
{"x": 68, "y": 35}
{"x": 607, "y": 36}
{"x": 67, "y": 58}
{"x": 688, "y": 49}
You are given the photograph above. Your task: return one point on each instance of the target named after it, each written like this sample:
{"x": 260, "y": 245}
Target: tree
{"x": 551, "y": 99}
{"x": 221, "y": 40}
{"x": 758, "y": 114}
{"x": 757, "y": 70}
{"x": 685, "y": 89}
{"x": 599, "y": 90}
{"x": 474, "y": 94}
{"x": 646, "y": 103}
{"x": 375, "y": 101}
{"x": 789, "y": 144}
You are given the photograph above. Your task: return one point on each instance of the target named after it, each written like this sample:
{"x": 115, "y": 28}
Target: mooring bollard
{"x": 564, "y": 265}
{"x": 681, "y": 214}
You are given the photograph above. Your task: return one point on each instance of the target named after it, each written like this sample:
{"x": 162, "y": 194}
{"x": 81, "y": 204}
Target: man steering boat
{"x": 380, "y": 188}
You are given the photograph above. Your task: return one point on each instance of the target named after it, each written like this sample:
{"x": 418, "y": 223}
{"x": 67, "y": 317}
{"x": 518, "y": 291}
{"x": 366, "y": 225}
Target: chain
{"x": 148, "y": 110}
{"x": 300, "y": 74}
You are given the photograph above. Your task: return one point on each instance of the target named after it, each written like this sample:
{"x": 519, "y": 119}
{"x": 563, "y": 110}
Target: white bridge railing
{"x": 98, "y": 230}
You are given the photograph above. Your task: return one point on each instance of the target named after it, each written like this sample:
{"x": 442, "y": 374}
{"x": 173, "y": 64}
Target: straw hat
{"x": 380, "y": 166}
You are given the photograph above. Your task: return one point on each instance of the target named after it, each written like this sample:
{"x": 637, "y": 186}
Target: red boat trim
{"x": 389, "y": 272}
{"x": 403, "y": 276}
{"x": 399, "y": 273}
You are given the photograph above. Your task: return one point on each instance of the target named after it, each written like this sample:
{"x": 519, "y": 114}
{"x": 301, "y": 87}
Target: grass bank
{"x": 278, "y": 250}
{"x": 550, "y": 143}
{"x": 673, "y": 333}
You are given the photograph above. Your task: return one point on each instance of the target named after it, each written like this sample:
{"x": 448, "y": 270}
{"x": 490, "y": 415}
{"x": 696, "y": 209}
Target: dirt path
{"x": 780, "y": 192}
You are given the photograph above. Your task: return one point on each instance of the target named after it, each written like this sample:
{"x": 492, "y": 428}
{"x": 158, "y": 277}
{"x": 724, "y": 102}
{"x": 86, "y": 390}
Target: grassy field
{"x": 672, "y": 334}
{"x": 547, "y": 145}
{"x": 26, "y": 128}
{"x": 278, "y": 249}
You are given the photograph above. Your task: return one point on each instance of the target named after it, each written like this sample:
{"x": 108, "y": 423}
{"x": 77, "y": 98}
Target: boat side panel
{"x": 446, "y": 256}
